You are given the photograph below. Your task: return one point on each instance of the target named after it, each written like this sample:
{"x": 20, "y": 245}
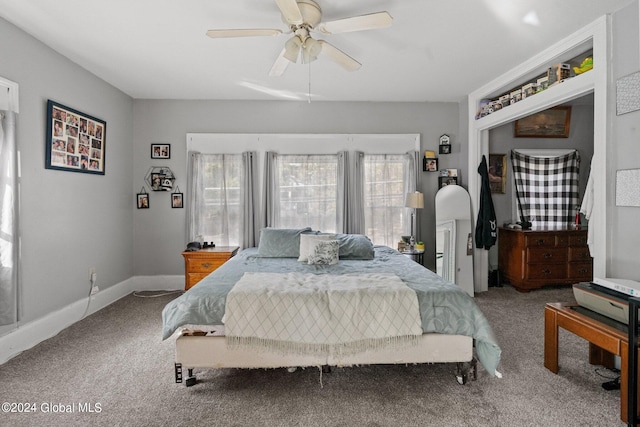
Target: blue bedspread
{"x": 444, "y": 307}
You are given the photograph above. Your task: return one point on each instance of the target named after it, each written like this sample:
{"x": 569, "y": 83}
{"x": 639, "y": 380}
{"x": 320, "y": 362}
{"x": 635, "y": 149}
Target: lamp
{"x": 414, "y": 201}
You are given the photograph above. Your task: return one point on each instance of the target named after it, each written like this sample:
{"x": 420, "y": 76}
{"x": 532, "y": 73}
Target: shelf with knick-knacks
{"x": 430, "y": 161}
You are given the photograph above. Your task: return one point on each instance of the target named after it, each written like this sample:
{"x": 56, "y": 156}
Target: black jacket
{"x": 486, "y": 227}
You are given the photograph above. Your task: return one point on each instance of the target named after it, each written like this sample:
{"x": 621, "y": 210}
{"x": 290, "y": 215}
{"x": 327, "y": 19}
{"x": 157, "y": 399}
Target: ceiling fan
{"x": 304, "y": 17}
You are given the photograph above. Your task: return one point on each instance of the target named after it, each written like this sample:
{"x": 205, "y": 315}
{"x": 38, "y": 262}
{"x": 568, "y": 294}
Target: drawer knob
{"x": 546, "y": 271}
{"x": 547, "y": 255}
{"x": 206, "y": 264}
{"x": 540, "y": 242}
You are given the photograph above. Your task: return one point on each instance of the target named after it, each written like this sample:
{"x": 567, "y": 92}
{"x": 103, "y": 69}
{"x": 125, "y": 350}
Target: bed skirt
{"x": 193, "y": 351}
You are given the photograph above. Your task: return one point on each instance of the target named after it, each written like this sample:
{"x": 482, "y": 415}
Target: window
{"x": 307, "y": 188}
{"x": 387, "y": 180}
{"x": 216, "y": 198}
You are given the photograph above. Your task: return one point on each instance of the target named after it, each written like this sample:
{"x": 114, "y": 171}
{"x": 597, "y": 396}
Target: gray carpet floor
{"x": 115, "y": 364}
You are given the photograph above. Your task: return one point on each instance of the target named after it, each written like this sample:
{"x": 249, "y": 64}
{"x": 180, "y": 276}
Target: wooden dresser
{"x": 198, "y": 264}
{"x": 530, "y": 259}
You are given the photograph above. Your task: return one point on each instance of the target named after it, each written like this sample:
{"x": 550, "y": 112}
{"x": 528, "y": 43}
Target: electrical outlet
{"x": 94, "y": 290}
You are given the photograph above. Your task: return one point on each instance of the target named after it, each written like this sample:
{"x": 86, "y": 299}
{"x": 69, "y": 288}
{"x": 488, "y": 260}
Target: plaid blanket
{"x": 547, "y": 188}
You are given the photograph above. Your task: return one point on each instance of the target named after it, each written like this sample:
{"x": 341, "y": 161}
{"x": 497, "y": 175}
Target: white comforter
{"x": 321, "y": 314}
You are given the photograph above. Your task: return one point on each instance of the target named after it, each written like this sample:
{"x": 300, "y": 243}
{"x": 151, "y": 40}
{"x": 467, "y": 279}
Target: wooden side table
{"x": 605, "y": 341}
{"x": 198, "y": 264}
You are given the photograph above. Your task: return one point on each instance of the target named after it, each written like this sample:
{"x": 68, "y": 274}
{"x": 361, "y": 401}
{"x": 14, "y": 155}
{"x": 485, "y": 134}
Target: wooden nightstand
{"x": 198, "y": 264}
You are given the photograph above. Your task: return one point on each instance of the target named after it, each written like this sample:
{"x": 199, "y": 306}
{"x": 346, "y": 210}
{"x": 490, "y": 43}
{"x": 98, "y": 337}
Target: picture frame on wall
{"x": 498, "y": 173}
{"x": 177, "y": 200}
{"x": 431, "y": 164}
{"x": 75, "y": 141}
{"x": 160, "y": 151}
{"x": 551, "y": 123}
{"x": 142, "y": 200}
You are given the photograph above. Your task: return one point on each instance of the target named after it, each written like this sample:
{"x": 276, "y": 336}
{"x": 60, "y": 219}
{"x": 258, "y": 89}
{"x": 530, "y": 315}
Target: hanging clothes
{"x": 587, "y": 207}
{"x": 486, "y": 227}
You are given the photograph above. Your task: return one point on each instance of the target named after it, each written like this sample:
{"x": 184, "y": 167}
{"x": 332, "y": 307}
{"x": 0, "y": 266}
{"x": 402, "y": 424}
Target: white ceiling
{"x": 436, "y": 50}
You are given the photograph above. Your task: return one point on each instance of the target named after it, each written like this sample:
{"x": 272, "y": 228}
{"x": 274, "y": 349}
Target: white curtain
{"x": 307, "y": 193}
{"x": 216, "y": 208}
{"x": 9, "y": 242}
{"x": 387, "y": 180}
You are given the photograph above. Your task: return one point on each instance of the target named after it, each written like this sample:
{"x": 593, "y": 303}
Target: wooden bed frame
{"x": 211, "y": 352}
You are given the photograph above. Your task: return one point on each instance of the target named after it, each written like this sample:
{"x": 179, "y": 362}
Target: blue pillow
{"x": 355, "y": 246}
{"x": 280, "y": 242}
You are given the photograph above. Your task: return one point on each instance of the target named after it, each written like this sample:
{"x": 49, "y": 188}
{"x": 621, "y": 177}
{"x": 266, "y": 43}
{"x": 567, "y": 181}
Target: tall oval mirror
{"x": 454, "y": 260}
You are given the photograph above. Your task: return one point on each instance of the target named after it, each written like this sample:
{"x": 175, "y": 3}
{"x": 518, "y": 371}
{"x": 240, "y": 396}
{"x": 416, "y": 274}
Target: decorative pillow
{"x": 324, "y": 252}
{"x": 280, "y": 242}
{"x": 306, "y": 244}
{"x": 355, "y": 246}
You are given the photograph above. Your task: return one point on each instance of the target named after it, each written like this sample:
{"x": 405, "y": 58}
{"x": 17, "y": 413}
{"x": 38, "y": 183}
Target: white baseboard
{"x": 30, "y": 334}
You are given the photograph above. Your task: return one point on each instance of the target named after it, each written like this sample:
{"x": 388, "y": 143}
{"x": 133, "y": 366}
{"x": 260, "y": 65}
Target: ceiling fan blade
{"x": 280, "y": 66}
{"x": 249, "y": 32}
{"x": 357, "y": 23}
{"x": 290, "y": 11}
{"x": 339, "y": 57}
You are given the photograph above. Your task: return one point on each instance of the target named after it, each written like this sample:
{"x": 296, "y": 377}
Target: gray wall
{"x": 624, "y": 149}
{"x": 159, "y": 232}
{"x": 69, "y": 221}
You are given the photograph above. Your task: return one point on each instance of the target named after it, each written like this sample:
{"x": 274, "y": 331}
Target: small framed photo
{"x": 143, "y": 200}
{"x": 444, "y": 149}
{"x": 176, "y": 200}
{"x": 160, "y": 151}
{"x": 431, "y": 165}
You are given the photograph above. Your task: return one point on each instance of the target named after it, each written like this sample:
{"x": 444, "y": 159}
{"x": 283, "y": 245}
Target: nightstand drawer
{"x": 205, "y": 265}
{"x": 193, "y": 278}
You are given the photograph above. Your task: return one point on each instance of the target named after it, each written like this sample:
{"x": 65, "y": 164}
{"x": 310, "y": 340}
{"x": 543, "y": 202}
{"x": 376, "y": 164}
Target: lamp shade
{"x": 415, "y": 200}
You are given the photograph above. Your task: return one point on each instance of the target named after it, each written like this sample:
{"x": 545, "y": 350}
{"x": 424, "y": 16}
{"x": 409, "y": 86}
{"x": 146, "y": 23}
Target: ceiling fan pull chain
{"x": 309, "y": 96}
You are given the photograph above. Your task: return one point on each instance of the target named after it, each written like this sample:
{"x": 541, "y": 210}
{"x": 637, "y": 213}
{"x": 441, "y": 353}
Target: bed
{"x": 450, "y": 326}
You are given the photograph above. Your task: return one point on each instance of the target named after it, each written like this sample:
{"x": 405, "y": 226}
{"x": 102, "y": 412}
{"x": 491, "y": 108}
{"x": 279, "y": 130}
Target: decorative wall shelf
{"x": 160, "y": 178}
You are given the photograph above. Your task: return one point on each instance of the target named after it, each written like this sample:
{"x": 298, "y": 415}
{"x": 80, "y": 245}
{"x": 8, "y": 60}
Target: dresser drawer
{"x": 579, "y": 254}
{"x": 581, "y": 271}
{"x": 540, "y": 239}
{"x": 548, "y": 272}
{"x": 578, "y": 239}
{"x": 546, "y": 255}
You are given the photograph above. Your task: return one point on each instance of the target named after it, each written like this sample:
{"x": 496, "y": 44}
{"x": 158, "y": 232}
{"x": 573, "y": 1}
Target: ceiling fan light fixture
{"x": 311, "y": 49}
{"x": 291, "y": 49}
